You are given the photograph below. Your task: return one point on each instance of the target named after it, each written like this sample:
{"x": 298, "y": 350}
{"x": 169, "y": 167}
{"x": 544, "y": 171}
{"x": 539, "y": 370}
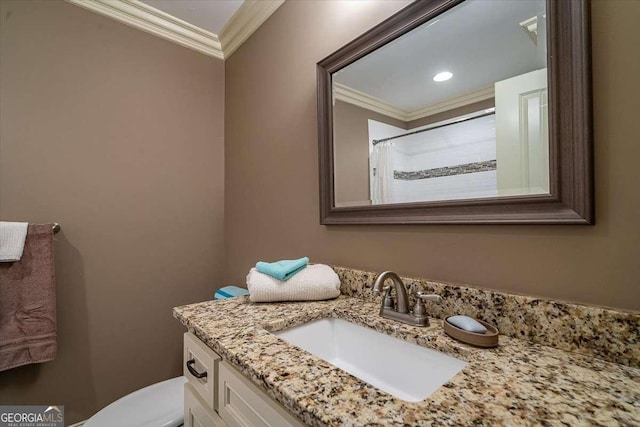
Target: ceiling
{"x": 210, "y": 15}
{"x": 479, "y": 41}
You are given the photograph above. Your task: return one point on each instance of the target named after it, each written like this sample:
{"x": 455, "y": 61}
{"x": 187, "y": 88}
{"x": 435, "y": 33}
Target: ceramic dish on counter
{"x": 486, "y": 340}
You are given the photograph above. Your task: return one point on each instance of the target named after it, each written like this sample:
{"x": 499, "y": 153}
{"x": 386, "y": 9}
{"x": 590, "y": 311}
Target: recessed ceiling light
{"x": 443, "y": 76}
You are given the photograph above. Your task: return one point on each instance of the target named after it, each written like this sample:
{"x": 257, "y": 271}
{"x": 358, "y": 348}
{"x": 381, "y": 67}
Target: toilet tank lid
{"x": 158, "y": 405}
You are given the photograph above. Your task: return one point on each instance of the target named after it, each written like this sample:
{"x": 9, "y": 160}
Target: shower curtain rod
{"x": 466, "y": 119}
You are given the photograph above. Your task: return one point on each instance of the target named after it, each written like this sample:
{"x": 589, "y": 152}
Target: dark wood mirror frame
{"x": 570, "y": 130}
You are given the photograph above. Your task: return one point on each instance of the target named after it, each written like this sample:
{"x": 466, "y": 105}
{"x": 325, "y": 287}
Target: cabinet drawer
{"x": 242, "y": 404}
{"x": 196, "y": 414}
{"x": 203, "y": 362}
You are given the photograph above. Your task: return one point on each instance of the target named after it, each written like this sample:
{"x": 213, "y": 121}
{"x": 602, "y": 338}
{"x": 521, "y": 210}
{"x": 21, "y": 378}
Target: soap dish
{"x": 486, "y": 340}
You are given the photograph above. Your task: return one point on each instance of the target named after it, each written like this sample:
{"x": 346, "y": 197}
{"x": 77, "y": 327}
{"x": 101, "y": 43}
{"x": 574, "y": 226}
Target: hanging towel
{"x": 28, "y": 303}
{"x": 229, "y": 292}
{"x": 12, "y": 237}
{"x": 282, "y": 270}
{"x": 316, "y": 282}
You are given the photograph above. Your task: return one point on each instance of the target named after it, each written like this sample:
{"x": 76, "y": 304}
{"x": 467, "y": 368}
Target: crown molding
{"x": 136, "y": 14}
{"x": 247, "y": 19}
{"x": 151, "y": 20}
{"x": 459, "y": 101}
{"x": 361, "y": 99}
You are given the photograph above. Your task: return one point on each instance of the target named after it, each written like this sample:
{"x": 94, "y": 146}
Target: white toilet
{"x": 158, "y": 405}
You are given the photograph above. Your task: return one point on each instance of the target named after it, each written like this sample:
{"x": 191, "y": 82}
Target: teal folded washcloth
{"x": 229, "y": 292}
{"x": 282, "y": 270}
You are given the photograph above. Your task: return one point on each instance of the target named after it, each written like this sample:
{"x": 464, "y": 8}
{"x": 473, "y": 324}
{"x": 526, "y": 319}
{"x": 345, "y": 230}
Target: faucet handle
{"x": 419, "y": 310}
{"x": 386, "y": 290}
{"x": 429, "y": 297}
{"x": 388, "y": 301}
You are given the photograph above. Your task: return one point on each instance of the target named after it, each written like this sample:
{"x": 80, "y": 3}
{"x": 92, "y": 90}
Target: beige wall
{"x": 351, "y": 136}
{"x": 118, "y": 136}
{"x": 271, "y": 197}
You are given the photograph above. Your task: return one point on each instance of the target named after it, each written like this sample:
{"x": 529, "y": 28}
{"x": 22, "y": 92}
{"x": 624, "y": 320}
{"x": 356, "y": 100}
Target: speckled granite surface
{"x": 517, "y": 383}
{"x": 604, "y": 333}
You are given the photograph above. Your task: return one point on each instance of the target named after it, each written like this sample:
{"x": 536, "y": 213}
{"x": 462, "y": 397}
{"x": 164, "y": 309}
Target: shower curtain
{"x": 382, "y": 162}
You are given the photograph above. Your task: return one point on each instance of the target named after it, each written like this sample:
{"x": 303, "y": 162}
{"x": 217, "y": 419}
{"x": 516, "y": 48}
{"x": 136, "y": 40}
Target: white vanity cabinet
{"x": 217, "y": 395}
{"x": 196, "y": 413}
{"x": 200, "y": 367}
{"x": 242, "y": 404}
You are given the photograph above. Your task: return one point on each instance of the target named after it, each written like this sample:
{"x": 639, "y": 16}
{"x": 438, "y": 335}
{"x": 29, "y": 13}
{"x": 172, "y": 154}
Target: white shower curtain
{"x": 382, "y": 162}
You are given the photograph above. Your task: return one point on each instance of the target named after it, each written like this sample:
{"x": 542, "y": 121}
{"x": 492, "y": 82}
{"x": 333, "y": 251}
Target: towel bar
{"x": 56, "y": 227}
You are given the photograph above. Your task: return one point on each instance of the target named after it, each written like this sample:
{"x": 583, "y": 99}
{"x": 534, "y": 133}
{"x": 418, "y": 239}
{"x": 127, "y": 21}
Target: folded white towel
{"x": 313, "y": 283}
{"x": 12, "y": 237}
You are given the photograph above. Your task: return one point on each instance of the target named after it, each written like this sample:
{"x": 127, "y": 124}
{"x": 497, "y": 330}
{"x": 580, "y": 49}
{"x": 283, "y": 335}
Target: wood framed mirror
{"x": 460, "y": 112}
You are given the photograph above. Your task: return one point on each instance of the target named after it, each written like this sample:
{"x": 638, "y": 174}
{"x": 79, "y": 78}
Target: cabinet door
{"x": 196, "y": 414}
{"x": 242, "y": 404}
{"x": 203, "y": 362}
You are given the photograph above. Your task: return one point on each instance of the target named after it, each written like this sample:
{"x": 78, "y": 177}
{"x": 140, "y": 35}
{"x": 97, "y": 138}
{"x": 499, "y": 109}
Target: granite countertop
{"x": 517, "y": 383}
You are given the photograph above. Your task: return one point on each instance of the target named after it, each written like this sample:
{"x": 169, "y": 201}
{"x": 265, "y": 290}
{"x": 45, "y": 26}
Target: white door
{"x": 522, "y": 134}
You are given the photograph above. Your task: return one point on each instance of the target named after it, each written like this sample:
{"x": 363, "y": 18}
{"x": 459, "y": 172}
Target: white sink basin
{"x": 407, "y": 371}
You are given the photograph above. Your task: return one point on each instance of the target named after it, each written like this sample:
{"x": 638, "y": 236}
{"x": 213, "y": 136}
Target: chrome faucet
{"x": 399, "y": 309}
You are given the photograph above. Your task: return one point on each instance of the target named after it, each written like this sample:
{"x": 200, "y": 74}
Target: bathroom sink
{"x": 407, "y": 371}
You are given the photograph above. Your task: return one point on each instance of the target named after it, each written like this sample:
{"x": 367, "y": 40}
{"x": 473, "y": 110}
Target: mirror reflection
{"x": 454, "y": 109}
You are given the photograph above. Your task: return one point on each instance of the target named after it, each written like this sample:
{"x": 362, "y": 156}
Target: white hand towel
{"x": 12, "y": 237}
{"x": 313, "y": 283}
